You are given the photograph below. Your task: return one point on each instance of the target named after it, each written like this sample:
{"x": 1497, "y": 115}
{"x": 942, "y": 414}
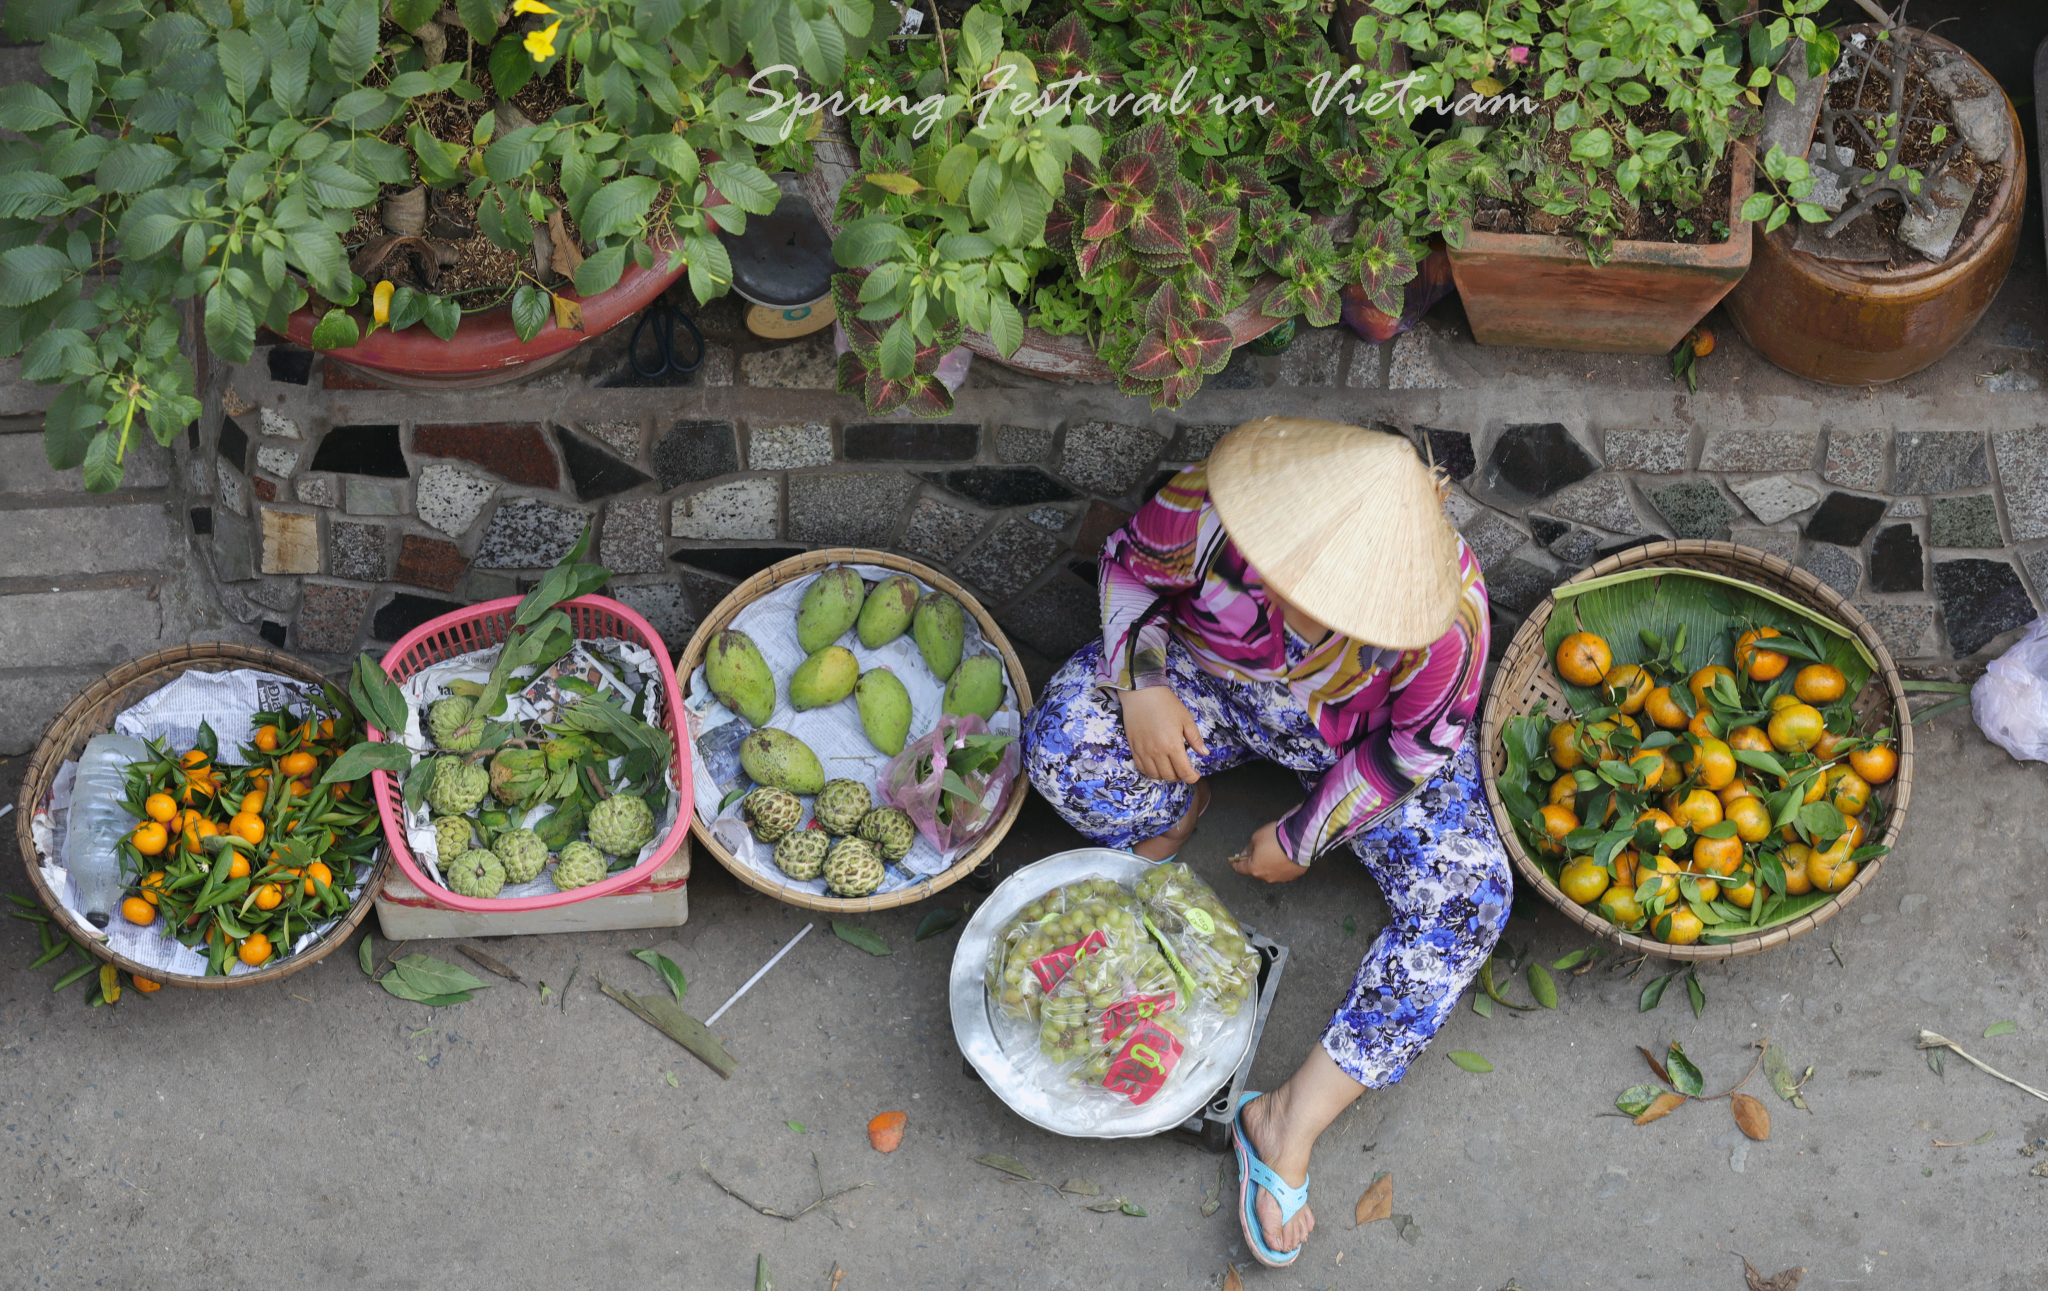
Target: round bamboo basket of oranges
{"x": 1696, "y": 750}
{"x": 238, "y": 853}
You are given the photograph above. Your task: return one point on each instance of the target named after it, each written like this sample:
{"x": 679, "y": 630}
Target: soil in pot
{"x": 1699, "y": 224}
{"x": 442, "y": 250}
{"x": 1857, "y": 91}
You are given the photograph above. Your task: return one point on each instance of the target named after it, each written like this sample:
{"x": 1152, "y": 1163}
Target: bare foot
{"x": 1262, "y": 1125}
{"x": 1161, "y": 846}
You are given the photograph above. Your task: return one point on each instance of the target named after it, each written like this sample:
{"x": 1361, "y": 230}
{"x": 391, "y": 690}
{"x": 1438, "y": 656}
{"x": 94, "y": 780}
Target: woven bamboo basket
{"x": 802, "y": 566}
{"x": 1525, "y": 683}
{"x": 92, "y": 713}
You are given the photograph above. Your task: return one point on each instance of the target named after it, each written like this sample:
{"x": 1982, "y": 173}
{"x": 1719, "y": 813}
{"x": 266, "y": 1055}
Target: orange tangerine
{"x": 194, "y": 760}
{"x": 1876, "y": 765}
{"x": 1793, "y": 860}
{"x": 1820, "y": 683}
{"x": 1657, "y": 706}
{"x": 267, "y": 739}
{"x": 1557, "y": 822}
{"x": 1722, "y": 856}
{"x": 1761, "y": 665}
{"x": 1752, "y": 819}
{"x": 247, "y": 826}
{"x": 160, "y": 806}
{"x": 1702, "y": 681}
{"x": 318, "y": 873}
{"x": 1679, "y": 927}
{"x": 268, "y": 896}
{"x": 1849, "y": 792}
{"x": 1751, "y": 738}
{"x": 1583, "y": 659}
{"x": 1583, "y": 880}
{"x": 1795, "y": 727}
{"x": 150, "y": 838}
{"x": 137, "y": 911}
{"x": 152, "y": 886}
{"x": 1628, "y": 685}
{"x": 255, "y": 949}
{"x": 297, "y": 764}
{"x": 252, "y": 802}
{"x": 238, "y": 866}
{"x": 1698, "y": 810}
{"x": 1715, "y": 764}
{"x": 1618, "y": 906}
{"x": 1564, "y": 746}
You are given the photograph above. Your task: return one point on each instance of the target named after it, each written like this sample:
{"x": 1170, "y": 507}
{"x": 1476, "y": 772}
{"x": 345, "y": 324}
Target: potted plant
{"x": 1929, "y": 183}
{"x": 1098, "y": 192}
{"x": 357, "y": 169}
{"x": 1620, "y": 125}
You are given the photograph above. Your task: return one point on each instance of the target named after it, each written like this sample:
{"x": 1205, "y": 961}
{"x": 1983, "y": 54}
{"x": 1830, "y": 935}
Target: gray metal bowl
{"x": 1194, "y": 1081}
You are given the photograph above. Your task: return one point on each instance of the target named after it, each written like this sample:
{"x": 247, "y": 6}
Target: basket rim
{"x": 388, "y": 798}
{"x": 45, "y": 760}
{"x": 786, "y": 570}
{"x": 1529, "y": 638}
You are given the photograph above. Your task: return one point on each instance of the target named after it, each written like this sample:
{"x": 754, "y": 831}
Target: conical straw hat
{"x": 1345, "y": 523}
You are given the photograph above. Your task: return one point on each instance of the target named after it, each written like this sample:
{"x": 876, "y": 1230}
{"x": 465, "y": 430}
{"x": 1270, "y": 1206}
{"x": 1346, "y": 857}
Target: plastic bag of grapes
{"x": 1066, "y": 926}
{"x": 1221, "y": 964}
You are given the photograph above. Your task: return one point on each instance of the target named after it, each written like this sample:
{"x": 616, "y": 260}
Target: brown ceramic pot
{"x": 1853, "y": 324}
{"x": 1539, "y": 289}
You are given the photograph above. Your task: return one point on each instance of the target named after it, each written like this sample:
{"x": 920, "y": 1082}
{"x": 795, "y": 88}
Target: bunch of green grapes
{"x": 1206, "y": 937}
{"x": 1092, "y": 1071}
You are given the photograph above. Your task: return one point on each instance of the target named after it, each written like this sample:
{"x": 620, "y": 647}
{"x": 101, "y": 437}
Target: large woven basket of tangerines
{"x": 1696, "y": 750}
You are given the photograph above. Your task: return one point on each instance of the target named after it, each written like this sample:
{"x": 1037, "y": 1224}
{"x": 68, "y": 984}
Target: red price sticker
{"x": 1050, "y": 967}
{"x": 1119, "y": 1018}
{"x": 1141, "y": 1067}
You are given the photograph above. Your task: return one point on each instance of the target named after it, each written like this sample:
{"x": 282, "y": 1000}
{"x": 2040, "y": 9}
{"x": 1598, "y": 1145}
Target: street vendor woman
{"x": 1299, "y": 597}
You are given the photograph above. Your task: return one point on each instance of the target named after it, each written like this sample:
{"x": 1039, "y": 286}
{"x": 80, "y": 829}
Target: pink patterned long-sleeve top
{"x": 1395, "y": 717}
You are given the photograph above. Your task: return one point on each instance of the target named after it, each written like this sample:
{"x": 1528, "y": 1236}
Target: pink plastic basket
{"x": 480, "y": 627}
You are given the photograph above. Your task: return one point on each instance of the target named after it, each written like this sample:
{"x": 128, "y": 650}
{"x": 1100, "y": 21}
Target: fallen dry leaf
{"x": 885, "y": 1132}
{"x": 1664, "y": 1105}
{"x": 1751, "y": 1116}
{"x": 1231, "y": 1281}
{"x": 1655, "y": 1065}
{"x": 1378, "y": 1201}
{"x": 1785, "y": 1280}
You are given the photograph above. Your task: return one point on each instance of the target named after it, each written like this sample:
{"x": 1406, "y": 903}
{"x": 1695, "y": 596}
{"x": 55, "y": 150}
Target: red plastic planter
{"x": 485, "y": 625}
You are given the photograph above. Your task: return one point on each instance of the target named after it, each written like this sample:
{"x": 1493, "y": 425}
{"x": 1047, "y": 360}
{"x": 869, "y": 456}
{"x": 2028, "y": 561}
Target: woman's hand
{"x": 1265, "y": 860}
{"x": 1161, "y": 730}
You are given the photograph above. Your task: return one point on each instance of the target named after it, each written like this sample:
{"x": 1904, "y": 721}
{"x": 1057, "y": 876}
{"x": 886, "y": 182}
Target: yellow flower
{"x": 529, "y": 6}
{"x": 541, "y": 44}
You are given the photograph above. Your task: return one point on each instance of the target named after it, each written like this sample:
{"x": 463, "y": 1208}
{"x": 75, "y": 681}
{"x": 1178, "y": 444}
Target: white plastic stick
{"x": 757, "y": 976}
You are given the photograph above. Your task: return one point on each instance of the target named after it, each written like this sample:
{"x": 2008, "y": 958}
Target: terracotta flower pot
{"x": 486, "y": 349}
{"x": 1856, "y": 324}
{"x": 1539, "y": 289}
{"x": 1067, "y": 358}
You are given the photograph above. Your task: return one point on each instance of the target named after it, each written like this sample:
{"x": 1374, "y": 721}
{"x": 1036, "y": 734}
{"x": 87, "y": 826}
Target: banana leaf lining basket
{"x": 92, "y": 713}
{"x": 803, "y": 566}
{"x": 1526, "y": 684}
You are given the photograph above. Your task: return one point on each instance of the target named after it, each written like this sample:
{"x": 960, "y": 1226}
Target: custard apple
{"x": 852, "y": 869}
{"x": 621, "y": 825}
{"x": 840, "y": 806}
{"x": 522, "y": 853}
{"x": 455, "y": 725}
{"x": 453, "y": 835}
{"x": 891, "y": 831}
{"x": 458, "y": 787}
{"x": 801, "y": 855}
{"x": 771, "y": 812}
{"x": 475, "y": 873}
{"x": 518, "y": 776}
{"x": 579, "y": 866}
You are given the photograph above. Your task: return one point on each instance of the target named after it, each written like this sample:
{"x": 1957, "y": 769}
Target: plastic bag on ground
{"x": 2010, "y": 701}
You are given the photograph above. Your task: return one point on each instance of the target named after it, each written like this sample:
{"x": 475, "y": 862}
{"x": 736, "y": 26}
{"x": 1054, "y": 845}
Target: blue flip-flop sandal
{"x": 1252, "y": 1175}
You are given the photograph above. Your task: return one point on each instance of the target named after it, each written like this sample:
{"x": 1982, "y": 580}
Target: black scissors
{"x": 660, "y": 319}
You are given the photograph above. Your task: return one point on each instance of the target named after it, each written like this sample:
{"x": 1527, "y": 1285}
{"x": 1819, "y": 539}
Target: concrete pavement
{"x": 319, "y": 1131}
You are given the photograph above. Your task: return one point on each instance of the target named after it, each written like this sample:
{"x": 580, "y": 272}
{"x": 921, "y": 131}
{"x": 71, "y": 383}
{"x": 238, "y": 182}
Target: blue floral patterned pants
{"x": 1435, "y": 854}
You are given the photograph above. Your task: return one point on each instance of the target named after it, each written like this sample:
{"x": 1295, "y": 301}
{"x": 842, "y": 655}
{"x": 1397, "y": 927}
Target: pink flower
{"x": 1518, "y": 54}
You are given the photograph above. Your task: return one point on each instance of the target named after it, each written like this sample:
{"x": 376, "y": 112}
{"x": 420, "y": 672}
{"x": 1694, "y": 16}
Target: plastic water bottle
{"x": 98, "y": 822}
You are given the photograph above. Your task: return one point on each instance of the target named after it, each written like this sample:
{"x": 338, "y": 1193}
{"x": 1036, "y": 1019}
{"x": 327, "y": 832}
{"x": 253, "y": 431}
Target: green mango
{"x": 781, "y": 760}
{"x": 825, "y": 678}
{"x": 829, "y": 607}
{"x": 886, "y": 614}
{"x": 940, "y": 632}
{"x": 884, "y": 709}
{"x": 739, "y": 676}
{"x": 976, "y": 687}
